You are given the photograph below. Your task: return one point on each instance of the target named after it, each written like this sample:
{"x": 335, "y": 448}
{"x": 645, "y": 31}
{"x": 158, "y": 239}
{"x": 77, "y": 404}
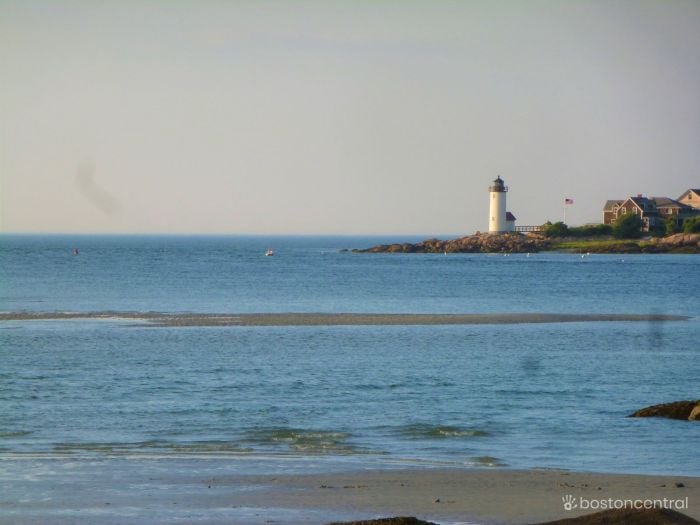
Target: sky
{"x": 340, "y": 117}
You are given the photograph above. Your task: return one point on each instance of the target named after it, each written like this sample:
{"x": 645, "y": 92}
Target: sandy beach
{"x": 160, "y": 491}
{"x": 479, "y": 496}
{"x": 334, "y": 319}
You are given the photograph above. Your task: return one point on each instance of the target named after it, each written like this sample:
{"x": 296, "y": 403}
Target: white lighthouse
{"x": 497, "y": 207}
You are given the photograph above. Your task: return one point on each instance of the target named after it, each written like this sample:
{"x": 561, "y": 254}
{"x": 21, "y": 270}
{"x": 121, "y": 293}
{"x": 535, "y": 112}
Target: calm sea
{"x": 314, "y": 398}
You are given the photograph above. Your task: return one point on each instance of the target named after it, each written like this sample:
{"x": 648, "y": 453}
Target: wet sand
{"x": 333, "y": 319}
{"x": 145, "y": 492}
{"x": 478, "y": 496}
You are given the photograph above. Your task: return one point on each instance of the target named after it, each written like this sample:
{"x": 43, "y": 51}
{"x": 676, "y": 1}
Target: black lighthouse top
{"x": 498, "y": 185}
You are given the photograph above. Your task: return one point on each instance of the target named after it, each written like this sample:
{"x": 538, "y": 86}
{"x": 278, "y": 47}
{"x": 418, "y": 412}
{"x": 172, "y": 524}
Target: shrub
{"x": 671, "y": 226}
{"x": 558, "y": 229}
{"x": 691, "y": 225}
{"x": 658, "y": 229}
{"x": 627, "y": 226}
{"x": 591, "y": 230}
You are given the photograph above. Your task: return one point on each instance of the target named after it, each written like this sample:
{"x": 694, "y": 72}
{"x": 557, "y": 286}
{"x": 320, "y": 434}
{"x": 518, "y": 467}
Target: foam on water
{"x": 428, "y": 431}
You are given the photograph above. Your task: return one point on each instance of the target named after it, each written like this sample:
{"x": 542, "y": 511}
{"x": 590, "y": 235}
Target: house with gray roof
{"x": 610, "y": 211}
{"x": 654, "y": 210}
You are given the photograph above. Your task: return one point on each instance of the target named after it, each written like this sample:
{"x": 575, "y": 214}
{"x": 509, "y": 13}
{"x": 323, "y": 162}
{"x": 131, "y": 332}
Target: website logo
{"x": 572, "y": 503}
{"x": 569, "y": 502}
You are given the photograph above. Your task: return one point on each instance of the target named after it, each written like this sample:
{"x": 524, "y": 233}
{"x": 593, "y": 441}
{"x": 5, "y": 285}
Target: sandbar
{"x": 334, "y": 319}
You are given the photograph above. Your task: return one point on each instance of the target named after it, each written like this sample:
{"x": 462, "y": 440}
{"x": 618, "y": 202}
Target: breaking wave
{"x": 304, "y": 441}
{"x": 428, "y": 431}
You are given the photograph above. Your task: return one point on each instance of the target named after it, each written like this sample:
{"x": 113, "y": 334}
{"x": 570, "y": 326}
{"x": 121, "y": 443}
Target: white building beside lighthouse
{"x": 500, "y": 220}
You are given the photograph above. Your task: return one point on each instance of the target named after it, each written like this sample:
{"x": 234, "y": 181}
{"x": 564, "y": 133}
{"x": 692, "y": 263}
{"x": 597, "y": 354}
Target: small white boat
{"x": 269, "y": 253}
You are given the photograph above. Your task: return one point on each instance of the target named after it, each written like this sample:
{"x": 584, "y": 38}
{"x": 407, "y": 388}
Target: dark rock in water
{"x": 629, "y": 517}
{"x": 676, "y": 410}
{"x": 388, "y": 521}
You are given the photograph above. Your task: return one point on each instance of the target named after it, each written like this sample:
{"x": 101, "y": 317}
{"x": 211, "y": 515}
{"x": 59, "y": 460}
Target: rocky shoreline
{"x": 520, "y": 243}
{"x": 477, "y": 243}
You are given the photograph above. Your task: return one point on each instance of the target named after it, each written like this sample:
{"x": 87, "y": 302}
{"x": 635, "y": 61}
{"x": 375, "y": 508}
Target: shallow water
{"x": 323, "y": 397}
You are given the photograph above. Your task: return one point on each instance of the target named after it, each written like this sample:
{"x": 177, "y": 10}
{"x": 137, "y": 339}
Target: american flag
{"x": 568, "y": 201}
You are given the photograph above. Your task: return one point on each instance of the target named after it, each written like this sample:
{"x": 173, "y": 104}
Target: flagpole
{"x": 564, "y": 206}
{"x": 567, "y": 202}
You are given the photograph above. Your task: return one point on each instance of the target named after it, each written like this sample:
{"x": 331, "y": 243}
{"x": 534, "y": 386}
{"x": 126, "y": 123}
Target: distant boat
{"x": 269, "y": 253}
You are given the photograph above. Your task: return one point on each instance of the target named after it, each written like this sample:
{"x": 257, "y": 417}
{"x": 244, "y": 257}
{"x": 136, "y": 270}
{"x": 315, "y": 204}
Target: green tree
{"x": 658, "y": 229}
{"x": 671, "y": 226}
{"x": 627, "y": 226}
{"x": 691, "y": 225}
{"x": 558, "y": 229}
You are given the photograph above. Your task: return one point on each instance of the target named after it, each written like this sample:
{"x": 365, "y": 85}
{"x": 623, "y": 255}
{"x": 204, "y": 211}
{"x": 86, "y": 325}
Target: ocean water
{"x": 304, "y": 399}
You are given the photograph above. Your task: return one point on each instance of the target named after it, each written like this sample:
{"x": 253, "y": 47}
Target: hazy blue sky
{"x": 340, "y": 117}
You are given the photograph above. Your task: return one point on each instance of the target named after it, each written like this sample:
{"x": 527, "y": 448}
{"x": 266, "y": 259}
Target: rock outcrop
{"x": 677, "y": 410}
{"x": 629, "y": 517}
{"x": 679, "y": 243}
{"x": 388, "y": 521}
{"x": 695, "y": 414}
{"x": 478, "y": 243}
{"x": 607, "y": 517}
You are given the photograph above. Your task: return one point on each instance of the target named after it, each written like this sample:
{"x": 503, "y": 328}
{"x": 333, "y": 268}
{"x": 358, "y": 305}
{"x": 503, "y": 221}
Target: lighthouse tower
{"x": 497, "y": 206}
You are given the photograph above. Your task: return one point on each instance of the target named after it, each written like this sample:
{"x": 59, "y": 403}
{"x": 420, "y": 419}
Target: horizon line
{"x": 236, "y": 234}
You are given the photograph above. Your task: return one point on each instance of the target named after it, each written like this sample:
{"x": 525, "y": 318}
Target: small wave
{"x": 168, "y": 447}
{"x": 208, "y": 447}
{"x": 487, "y": 461}
{"x": 304, "y": 440}
{"x": 428, "y": 431}
{"x": 8, "y": 434}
